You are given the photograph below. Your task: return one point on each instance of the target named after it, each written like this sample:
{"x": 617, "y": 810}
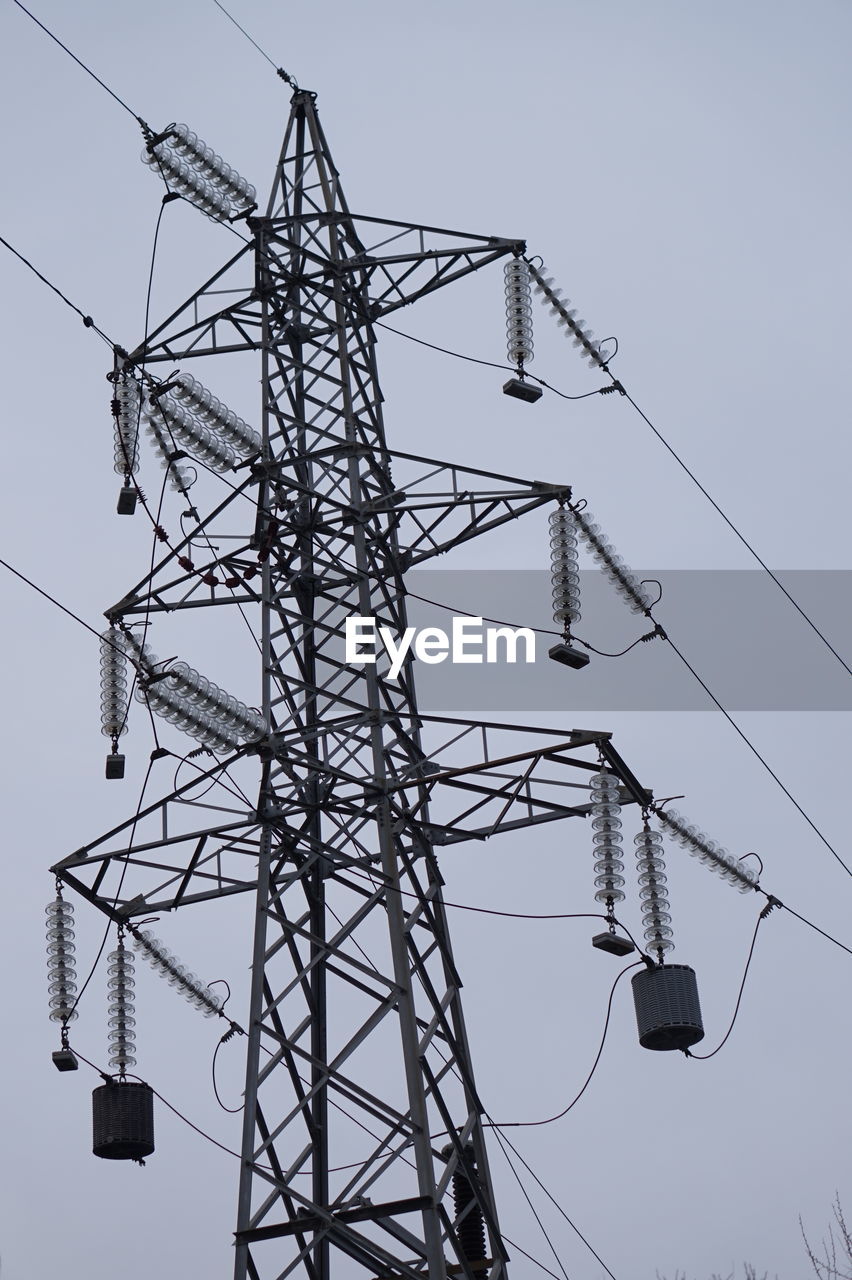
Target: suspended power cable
{"x": 535, "y": 1124}
{"x": 602, "y": 653}
{"x": 87, "y": 320}
{"x": 223, "y": 1040}
{"x": 513, "y": 1244}
{"x": 279, "y": 71}
{"x": 489, "y": 364}
{"x": 532, "y": 1207}
{"x": 742, "y": 734}
{"x": 29, "y": 582}
{"x": 88, "y": 70}
{"x": 509, "y": 915}
{"x": 828, "y": 936}
{"x": 501, "y": 1137}
{"x": 539, "y": 631}
{"x": 704, "y": 1056}
{"x": 738, "y": 533}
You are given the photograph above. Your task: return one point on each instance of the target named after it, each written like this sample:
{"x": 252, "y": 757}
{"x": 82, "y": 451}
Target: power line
{"x": 739, "y": 534}
{"x": 502, "y": 1138}
{"x": 279, "y": 71}
{"x": 539, "y": 631}
{"x": 23, "y": 577}
{"x": 705, "y": 1056}
{"x": 742, "y": 734}
{"x": 490, "y": 364}
{"x": 534, "y": 1124}
{"x": 532, "y": 1207}
{"x": 830, "y": 937}
{"x": 88, "y": 70}
{"x": 514, "y": 1245}
{"x": 87, "y": 320}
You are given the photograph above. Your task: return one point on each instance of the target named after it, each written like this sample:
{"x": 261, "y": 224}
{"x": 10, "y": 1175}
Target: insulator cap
{"x": 668, "y": 1012}
{"x": 123, "y": 1121}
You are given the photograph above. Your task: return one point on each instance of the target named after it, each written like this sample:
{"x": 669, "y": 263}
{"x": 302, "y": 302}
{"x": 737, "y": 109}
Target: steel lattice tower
{"x": 355, "y": 1026}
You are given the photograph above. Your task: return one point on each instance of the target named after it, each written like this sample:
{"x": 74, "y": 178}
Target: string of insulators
{"x": 61, "y": 964}
{"x": 566, "y": 315}
{"x": 245, "y": 721}
{"x": 122, "y": 1008}
{"x": 171, "y": 706}
{"x": 127, "y": 406}
{"x": 623, "y": 579}
{"x": 237, "y": 432}
{"x": 564, "y": 567}
{"x": 519, "y": 332}
{"x": 205, "y": 444}
{"x": 686, "y": 834}
{"x": 180, "y": 478}
{"x": 114, "y": 698}
{"x": 177, "y": 975}
{"x": 607, "y": 839}
{"x": 142, "y": 656}
{"x": 180, "y": 712}
{"x": 197, "y": 173}
{"x": 656, "y": 910}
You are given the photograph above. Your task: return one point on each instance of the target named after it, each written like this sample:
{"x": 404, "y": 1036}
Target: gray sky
{"x": 682, "y": 169}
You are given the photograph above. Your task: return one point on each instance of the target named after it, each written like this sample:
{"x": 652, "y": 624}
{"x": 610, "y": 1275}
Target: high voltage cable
{"x": 80, "y": 63}
{"x": 262, "y": 52}
{"x": 532, "y": 1208}
{"x": 502, "y": 1138}
{"x": 743, "y": 539}
{"x": 535, "y": 1124}
{"x": 705, "y": 1056}
{"x": 87, "y": 320}
{"x": 830, "y": 937}
{"x": 617, "y": 386}
{"x": 742, "y": 734}
{"x": 279, "y": 71}
{"x": 514, "y": 1245}
{"x": 490, "y": 364}
{"x": 23, "y": 577}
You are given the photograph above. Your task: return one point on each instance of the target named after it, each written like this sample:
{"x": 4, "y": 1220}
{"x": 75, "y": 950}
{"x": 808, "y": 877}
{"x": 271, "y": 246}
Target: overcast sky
{"x": 682, "y": 169}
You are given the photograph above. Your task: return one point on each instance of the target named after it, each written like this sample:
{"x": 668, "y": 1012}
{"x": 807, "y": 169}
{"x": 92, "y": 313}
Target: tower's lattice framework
{"x": 361, "y": 1107}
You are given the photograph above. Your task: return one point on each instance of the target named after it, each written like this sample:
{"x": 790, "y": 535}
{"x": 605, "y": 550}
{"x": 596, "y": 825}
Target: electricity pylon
{"x": 363, "y": 1128}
